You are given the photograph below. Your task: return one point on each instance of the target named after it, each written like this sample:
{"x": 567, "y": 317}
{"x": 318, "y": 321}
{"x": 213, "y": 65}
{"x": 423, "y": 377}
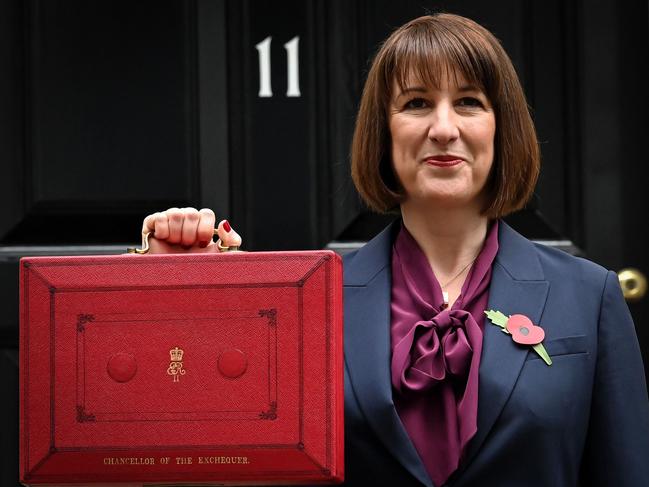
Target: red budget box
{"x": 167, "y": 369}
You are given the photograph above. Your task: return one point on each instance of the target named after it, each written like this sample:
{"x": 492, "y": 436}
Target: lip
{"x": 448, "y": 160}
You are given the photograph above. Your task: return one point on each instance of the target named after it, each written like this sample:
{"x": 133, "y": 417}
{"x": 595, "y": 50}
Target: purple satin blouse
{"x": 436, "y": 353}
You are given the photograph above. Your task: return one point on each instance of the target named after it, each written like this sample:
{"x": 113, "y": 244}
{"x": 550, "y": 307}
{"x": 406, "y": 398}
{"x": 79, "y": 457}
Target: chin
{"x": 447, "y": 199}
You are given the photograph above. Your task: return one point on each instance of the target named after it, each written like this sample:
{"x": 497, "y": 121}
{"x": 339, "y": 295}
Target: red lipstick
{"x": 443, "y": 160}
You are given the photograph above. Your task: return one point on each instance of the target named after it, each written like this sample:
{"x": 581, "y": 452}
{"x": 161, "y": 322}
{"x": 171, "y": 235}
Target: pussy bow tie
{"x": 433, "y": 350}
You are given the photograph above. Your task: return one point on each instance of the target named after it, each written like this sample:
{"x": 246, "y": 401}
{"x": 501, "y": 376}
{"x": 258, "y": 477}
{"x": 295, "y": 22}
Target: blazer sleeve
{"x": 618, "y": 438}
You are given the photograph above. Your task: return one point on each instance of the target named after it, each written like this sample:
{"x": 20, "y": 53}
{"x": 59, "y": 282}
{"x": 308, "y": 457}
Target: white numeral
{"x": 263, "y": 48}
{"x": 292, "y": 64}
{"x": 293, "y": 67}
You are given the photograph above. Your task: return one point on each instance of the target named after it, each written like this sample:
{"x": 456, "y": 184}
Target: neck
{"x": 449, "y": 237}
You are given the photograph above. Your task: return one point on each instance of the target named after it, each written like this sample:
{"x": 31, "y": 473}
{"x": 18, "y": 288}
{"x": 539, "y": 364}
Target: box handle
{"x": 145, "y": 245}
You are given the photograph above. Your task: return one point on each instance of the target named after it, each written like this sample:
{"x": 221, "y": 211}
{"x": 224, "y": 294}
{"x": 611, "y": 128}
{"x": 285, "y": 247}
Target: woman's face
{"x": 442, "y": 142}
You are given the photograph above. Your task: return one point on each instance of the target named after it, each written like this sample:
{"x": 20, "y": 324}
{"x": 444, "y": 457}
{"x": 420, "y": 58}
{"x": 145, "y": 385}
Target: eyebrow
{"x": 415, "y": 89}
{"x": 466, "y": 88}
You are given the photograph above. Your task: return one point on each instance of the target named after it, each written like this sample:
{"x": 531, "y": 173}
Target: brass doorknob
{"x": 634, "y": 284}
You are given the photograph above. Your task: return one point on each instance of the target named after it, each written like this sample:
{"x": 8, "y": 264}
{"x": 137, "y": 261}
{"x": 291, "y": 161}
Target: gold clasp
{"x": 145, "y": 245}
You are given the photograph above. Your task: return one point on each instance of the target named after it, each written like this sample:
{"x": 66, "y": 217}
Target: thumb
{"x": 229, "y": 238}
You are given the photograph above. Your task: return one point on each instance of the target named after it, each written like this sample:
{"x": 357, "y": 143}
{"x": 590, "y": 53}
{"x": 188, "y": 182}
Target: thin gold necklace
{"x": 442, "y": 286}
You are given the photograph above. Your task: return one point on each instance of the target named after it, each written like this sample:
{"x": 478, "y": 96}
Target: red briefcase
{"x": 167, "y": 369}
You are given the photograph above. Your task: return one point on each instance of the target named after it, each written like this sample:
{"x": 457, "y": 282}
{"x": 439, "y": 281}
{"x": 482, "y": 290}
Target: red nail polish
{"x": 202, "y": 244}
{"x": 227, "y": 226}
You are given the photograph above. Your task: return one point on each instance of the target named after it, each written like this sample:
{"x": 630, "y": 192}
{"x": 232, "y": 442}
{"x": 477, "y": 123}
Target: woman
{"x": 436, "y": 393}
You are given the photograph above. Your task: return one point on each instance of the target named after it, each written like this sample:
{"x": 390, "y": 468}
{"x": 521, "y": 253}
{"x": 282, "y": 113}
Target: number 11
{"x": 292, "y": 58}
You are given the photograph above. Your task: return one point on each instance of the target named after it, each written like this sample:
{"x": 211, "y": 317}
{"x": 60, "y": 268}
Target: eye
{"x": 415, "y": 104}
{"x": 470, "y": 101}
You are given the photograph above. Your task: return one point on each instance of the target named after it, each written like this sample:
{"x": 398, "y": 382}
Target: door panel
{"x": 106, "y": 97}
{"x": 613, "y": 132}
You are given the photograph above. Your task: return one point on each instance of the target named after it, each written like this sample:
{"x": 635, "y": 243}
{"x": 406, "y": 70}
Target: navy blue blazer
{"x": 584, "y": 420}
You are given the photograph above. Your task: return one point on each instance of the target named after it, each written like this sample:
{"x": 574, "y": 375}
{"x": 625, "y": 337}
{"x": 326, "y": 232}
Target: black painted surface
{"x": 108, "y": 117}
{"x": 9, "y": 418}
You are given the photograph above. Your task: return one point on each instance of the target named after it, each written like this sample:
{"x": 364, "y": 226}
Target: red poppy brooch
{"x": 522, "y": 330}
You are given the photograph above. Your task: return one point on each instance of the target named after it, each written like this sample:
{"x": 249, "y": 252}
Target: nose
{"x": 443, "y": 125}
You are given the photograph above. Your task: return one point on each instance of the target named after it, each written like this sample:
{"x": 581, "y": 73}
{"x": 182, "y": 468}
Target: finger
{"x": 157, "y": 224}
{"x": 205, "y": 230}
{"x": 190, "y": 226}
{"x": 148, "y": 225}
{"x": 228, "y": 236}
{"x": 161, "y": 226}
{"x": 175, "y": 217}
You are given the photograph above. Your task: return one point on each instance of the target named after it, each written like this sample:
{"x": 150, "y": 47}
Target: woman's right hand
{"x": 187, "y": 230}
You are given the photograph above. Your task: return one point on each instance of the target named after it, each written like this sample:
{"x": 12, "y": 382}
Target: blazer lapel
{"x": 518, "y": 286}
{"x": 367, "y": 347}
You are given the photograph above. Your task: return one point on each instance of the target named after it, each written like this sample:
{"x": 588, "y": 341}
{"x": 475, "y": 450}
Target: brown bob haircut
{"x": 432, "y": 48}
